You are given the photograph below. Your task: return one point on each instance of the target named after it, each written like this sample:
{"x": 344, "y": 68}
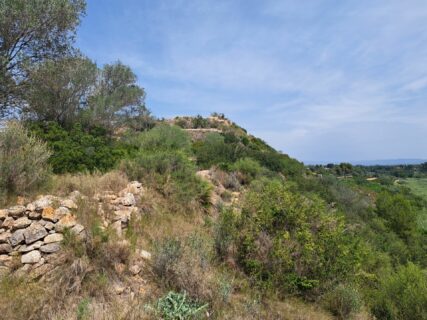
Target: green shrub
{"x": 225, "y": 233}
{"x": 76, "y": 150}
{"x": 343, "y": 301}
{"x": 402, "y": 295}
{"x": 167, "y": 252}
{"x": 293, "y": 242}
{"x": 23, "y": 160}
{"x": 185, "y": 266}
{"x": 176, "y": 306}
{"x": 171, "y": 173}
{"x": 213, "y": 150}
{"x": 163, "y": 138}
{"x": 249, "y": 167}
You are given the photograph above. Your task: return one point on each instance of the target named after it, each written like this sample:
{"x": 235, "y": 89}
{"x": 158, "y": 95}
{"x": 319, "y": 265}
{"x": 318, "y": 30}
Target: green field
{"x": 418, "y": 186}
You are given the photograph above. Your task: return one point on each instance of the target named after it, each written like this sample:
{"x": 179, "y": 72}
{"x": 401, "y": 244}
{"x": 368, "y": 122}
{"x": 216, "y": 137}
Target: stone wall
{"x": 31, "y": 234}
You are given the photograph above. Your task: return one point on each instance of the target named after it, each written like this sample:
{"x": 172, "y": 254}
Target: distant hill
{"x": 383, "y": 162}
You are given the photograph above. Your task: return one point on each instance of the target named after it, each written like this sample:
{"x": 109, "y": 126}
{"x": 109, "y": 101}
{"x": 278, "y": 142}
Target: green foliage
{"x": 402, "y": 295}
{"x": 32, "y": 31}
{"x": 213, "y": 150}
{"x": 176, "y": 306}
{"x": 77, "y": 150}
{"x": 293, "y": 242}
{"x": 398, "y": 213}
{"x": 117, "y": 98}
{"x": 162, "y": 161}
{"x": 249, "y": 168}
{"x": 23, "y": 160}
{"x": 163, "y": 138}
{"x": 225, "y": 233}
{"x": 58, "y": 89}
{"x": 73, "y": 90}
{"x": 343, "y": 301}
{"x": 83, "y": 309}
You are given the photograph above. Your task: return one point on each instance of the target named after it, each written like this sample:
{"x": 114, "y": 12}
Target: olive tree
{"x": 32, "y": 31}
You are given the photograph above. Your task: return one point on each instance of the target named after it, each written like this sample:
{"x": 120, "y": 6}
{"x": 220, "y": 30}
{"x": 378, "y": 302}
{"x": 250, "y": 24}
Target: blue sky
{"x": 319, "y": 80}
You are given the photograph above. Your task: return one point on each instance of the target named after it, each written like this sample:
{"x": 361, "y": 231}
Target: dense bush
{"x": 248, "y": 168}
{"x": 343, "y": 301}
{"x": 293, "y": 242}
{"x": 77, "y": 150}
{"x": 185, "y": 266}
{"x": 163, "y": 138}
{"x": 402, "y": 295}
{"x": 23, "y": 160}
{"x": 162, "y": 162}
{"x": 213, "y": 151}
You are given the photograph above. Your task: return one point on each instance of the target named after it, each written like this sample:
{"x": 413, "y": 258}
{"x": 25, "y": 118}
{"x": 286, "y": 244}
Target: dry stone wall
{"x": 31, "y": 235}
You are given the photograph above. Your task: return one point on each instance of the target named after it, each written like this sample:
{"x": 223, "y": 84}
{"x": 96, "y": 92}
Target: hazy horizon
{"x": 319, "y": 80}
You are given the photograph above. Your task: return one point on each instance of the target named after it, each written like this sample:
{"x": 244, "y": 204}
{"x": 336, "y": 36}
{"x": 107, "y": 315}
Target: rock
{"x": 56, "y": 237}
{"x": 117, "y": 227}
{"x": 49, "y": 226}
{"x": 135, "y": 269}
{"x": 127, "y": 200}
{"x": 41, "y": 269}
{"x": 5, "y": 248}
{"x": 31, "y": 207}
{"x": 2, "y": 230}
{"x": 3, "y": 214}
{"x": 34, "y": 232}
{"x": 34, "y": 215}
{"x": 17, "y": 237}
{"x": 134, "y": 187}
{"x": 50, "y": 248}
{"x": 68, "y": 203}
{"x": 75, "y": 195}
{"x": 119, "y": 288}
{"x": 43, "y": 202}
{"x": 31, "y": 257}
{"x": 122, "y": 215}
{"x": 8, "y": 223}
{"x": 61, "y": 212}
{"x": 17, "y": 211}
{"x": 67, "y": 221}
{"x": 4, "y": 237}
{"x": 77, "y": 229}
{"x": 48, "y": 213}
{"x": 21, "y": 223}
{"x": 34, "y": 246}
{"x": 145, "y": 255}
{"x": 22, "y": 272}
{"x": 5, "y": 260}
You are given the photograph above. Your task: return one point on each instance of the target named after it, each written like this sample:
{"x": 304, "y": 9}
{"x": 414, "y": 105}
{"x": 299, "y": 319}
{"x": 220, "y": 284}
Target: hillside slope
{"x": 215, "y": 224}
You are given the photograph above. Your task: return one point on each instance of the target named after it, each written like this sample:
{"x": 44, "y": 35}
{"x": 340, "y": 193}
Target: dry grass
{"x": 89, "y": 184}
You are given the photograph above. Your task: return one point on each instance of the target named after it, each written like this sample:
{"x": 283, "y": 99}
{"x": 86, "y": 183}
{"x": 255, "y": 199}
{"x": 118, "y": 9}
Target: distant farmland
{"x": 418, "y": 186}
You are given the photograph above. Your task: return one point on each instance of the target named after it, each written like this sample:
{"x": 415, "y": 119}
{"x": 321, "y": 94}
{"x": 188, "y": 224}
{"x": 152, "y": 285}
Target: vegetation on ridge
{"x": 237, "y": 230}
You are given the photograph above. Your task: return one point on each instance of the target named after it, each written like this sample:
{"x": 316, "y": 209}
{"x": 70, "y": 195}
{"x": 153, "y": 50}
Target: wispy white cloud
{"x": 299, "y": 73}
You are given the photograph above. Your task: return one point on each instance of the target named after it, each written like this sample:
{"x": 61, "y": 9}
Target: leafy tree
{"x": 32, "y": 31}
{"x": 59, "y": 89}
{"x": 398, "y": 212}
{"x": 116, "y": 98}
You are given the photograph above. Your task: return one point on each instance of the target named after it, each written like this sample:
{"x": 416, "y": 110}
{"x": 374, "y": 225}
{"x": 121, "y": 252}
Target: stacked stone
{"x": 122, "y": 206}
{"x": 29, "y": 234}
